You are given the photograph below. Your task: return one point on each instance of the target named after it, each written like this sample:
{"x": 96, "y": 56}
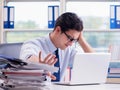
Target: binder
{"x": 56, "y": 13}
{"x": 53, "y": 13}
{"x": 50, "y": 17}
{"x": 11, "y": 16}
{"x": 6, "y": 23}
{"x": 112, "y": 16}
{"x": 8, "y": 16}
{"x": 117, "y": 16}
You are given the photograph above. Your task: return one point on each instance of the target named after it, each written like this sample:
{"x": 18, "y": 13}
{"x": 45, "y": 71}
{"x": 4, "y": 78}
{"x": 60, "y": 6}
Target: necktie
{"x": 57, "y": 64}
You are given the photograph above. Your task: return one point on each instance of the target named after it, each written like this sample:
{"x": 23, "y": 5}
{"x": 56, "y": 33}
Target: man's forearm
{"x": 85, "y": 46}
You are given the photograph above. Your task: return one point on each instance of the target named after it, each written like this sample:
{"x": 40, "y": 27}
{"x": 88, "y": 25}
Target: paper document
{"x": 27, "y": 78}
{"x": 25, "y": 72}
{"x": 39, "y": 66}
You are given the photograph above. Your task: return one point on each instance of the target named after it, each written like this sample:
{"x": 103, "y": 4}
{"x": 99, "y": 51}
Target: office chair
{"x": 10, "y": 49}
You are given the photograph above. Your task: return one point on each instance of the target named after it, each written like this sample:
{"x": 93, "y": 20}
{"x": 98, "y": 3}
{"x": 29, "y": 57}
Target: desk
{"x": 80, "y": 87}
{"x": 88, "y": 87}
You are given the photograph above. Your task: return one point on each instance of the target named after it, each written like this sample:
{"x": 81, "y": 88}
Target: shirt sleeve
{"x": 29, "y": 48}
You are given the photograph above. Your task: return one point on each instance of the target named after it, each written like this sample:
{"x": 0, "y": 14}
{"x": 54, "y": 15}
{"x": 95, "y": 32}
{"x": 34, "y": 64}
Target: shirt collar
{"x": 50, "y": 44}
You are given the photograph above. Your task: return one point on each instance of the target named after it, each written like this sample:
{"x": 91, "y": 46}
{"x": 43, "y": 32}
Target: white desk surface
{"x": 63, "y": 87}
{"x": 88, "y": 87}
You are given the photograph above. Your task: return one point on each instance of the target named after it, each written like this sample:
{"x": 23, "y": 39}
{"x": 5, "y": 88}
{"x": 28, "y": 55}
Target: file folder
{"x": 118, "y": 16}
{"x": 53, "y": 13}
{"x": 6, "y": 15}
{"x": 112, "y": 16}
{"x": 56, "y": 13}
{"x": 11, "y": 17}
{"x": 50, "y": 17}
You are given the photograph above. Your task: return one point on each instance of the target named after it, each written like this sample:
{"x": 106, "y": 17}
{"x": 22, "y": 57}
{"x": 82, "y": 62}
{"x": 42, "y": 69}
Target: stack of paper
{"x": 39, "y": 66}
{"x": 32, "y": 74}
{"x": 114, "y": 73}
{"x": 26, "y": 75}
{"x": 12, "y": 79}
{"x": 15, "y": 72}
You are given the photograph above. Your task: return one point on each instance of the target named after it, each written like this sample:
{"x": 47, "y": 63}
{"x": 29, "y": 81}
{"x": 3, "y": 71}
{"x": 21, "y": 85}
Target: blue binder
{"x": 11, "y": 16}
{"x": 53, "y": 13}
{"x": 50, "y": 16}
{"x": 117, "y": 16}
{"x": 8, "y": 16}
{"x": 112, "y": 16}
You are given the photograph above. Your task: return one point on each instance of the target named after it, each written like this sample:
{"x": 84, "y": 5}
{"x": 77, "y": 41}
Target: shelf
{"x": 95, "y": 0}
{"x": 27, "y": 30}
{"x": 31, "y": 0}
{"x": 102, "y": 30}
{"x": 4, "y": 32}
{"x": 50, "y": 29}
{"x": 63, "y": 0}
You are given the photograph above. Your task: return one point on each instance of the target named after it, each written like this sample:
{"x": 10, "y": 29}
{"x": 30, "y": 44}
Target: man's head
{"x": 67, "y": 30}
{"x": 69, "y": 21}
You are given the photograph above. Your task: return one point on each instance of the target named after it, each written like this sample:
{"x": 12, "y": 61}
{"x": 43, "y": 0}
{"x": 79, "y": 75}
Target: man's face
{"x": 68, "y": 38}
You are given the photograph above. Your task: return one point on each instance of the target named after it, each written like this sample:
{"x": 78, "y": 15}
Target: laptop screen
{"x": 90, "y": 68}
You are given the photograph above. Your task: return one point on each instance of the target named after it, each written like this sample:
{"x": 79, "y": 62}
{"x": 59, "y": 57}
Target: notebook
{"x": 88, "y": 69}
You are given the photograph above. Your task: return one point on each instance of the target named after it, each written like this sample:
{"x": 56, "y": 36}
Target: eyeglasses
{"x": 70, "y": 38}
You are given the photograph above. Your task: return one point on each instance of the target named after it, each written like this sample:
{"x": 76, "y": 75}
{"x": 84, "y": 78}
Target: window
{"x": 31, "y": 15}
{"x": 95, "y": 15}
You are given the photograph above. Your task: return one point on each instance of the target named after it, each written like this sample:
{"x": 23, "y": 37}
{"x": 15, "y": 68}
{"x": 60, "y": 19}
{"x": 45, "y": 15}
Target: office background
{"x": 31, "y": 20}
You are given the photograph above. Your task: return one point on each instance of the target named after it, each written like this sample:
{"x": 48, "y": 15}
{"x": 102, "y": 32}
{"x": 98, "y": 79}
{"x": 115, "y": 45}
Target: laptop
{"x": 89, "y": 69}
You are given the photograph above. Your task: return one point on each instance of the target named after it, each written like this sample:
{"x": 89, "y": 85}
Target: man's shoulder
{"x": 36, "y": 40}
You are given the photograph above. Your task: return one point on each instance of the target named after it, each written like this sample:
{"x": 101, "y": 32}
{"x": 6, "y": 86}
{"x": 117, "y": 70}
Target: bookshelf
{"x": 5, "y": 2}
{"x": 3, "y": 32}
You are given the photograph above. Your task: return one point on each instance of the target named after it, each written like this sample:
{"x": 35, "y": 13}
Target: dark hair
{"x": 68, "y": 21}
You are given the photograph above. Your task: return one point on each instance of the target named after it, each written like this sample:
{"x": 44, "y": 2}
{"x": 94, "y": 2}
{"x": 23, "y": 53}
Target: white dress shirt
{"x": 45, "y": 45}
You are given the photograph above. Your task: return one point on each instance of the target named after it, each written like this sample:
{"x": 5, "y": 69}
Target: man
{"x": 68, "y": 29}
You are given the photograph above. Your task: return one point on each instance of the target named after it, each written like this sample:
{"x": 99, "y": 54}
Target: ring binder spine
{"x": 8, "y": 16}
{"x": 114, "y": 16}
{"x": 53, "y": 13}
